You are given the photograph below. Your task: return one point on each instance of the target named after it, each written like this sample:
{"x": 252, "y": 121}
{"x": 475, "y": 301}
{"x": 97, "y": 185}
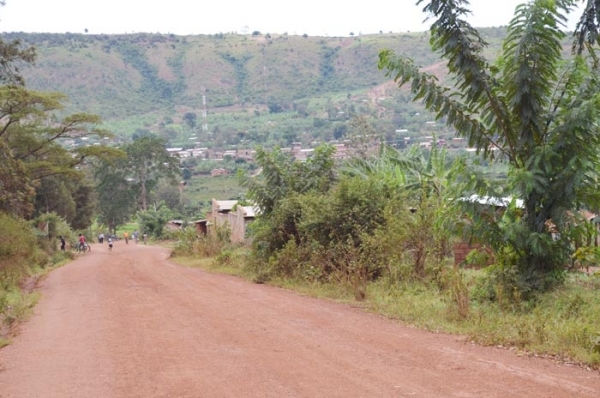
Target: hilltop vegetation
{"x": 258, "y": 88}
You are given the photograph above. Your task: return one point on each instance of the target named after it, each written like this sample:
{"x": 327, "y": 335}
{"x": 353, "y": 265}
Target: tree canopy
{"x": 38, "y": 167}
{"x": 281, "y": 175}
{"x": 148, "y": 160}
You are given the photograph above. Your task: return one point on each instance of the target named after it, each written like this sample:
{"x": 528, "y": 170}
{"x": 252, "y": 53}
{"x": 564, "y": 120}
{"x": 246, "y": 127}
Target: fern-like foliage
{"x": 532, "y": 107}
{"x": 587, "y": 31}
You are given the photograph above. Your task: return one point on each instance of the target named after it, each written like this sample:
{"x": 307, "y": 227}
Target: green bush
{"x": 209, "y": 245}
{"x": 185, "y": 241}
{"x": 17, "y": 250}
{"x": 232, "y": 257}
{"x": 153, "y": 220}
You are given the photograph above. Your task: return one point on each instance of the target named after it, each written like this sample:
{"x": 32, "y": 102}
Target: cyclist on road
{"x": 81, "y": 243}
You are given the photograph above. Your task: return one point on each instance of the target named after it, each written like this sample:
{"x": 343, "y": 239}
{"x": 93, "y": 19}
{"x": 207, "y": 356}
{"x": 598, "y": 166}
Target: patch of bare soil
{"x": 131, "y": 324}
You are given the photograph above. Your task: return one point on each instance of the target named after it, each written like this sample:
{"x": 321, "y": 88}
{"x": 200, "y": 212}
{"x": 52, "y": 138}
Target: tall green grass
{"x": 564, "y": 323}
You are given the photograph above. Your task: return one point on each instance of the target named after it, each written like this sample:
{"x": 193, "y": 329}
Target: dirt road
{"x": 131, "y": 324}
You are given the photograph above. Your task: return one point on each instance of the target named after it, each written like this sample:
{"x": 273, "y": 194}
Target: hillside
{"x": 258, "y": 88}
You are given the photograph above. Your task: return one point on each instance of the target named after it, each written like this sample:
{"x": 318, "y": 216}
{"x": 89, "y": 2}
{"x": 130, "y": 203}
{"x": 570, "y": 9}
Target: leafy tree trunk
{"x": 149, "y": 161}
{"x": 143, "y": 191}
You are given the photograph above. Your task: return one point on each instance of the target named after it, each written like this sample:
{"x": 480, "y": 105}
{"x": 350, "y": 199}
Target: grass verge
{"x": 17, "y": 301}
{"x": 563, "y": 324}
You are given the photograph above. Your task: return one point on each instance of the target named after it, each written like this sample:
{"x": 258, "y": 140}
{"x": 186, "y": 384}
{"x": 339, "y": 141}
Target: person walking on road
{"x": 126, "y": 237}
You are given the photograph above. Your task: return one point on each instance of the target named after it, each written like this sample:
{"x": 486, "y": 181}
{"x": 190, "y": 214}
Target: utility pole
{"x": 264, "y": 75}
{"x": 204, "y": 117}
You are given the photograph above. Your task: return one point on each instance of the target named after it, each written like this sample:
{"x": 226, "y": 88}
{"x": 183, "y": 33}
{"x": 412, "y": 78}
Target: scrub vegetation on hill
{"x": 258, "y": 89}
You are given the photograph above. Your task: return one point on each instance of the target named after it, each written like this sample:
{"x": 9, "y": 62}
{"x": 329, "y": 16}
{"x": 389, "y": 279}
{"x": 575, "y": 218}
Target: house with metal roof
{"x": 227, "y": 214}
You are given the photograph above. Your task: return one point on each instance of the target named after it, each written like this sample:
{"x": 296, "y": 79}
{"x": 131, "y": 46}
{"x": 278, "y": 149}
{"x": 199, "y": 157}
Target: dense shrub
{"x": 153, "y": 220}
{"x": 319, "y": 237}
{"x": 189, "y": 242}
{"x": 17, "y": 249}
{"x": 18, "y": 252}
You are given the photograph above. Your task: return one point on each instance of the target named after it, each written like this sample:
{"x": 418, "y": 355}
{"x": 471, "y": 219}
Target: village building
{"x": 227, "y": 214}
{"x": 246, "y": 154}
{"x": 201, "y": 227}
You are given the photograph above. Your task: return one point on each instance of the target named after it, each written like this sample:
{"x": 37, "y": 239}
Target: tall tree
{"x": 70, "y": 196}
{"x": 587, "y": 31}
{"x": 16, "y": 188}
{"x": 30, "y": 143}
{"x": 149, "y": 160}
{"x": 12, "y": 56}
{"x": 190, "y": 119}
{"x": 525, "y": 108}
{"x": 116, "y": 200}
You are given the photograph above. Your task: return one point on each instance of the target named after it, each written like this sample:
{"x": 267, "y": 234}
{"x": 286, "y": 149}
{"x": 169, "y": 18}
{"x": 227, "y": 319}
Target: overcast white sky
{"x": 184, "y": 17}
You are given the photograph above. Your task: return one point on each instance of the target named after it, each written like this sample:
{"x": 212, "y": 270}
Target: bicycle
{"x": 83, "y": 248}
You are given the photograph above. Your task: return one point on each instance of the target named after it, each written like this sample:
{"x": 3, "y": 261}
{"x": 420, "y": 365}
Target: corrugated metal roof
{"x": 492, "y": 201}
{"x": 225, "y": 204}
{"x": 250, "y": 211}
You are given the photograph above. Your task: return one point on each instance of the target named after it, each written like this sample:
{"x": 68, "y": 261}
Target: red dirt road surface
{"x": 131, "y": 324}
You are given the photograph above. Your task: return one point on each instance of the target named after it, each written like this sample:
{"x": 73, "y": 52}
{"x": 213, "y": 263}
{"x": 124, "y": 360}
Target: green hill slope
{"x": 150, "y": 81}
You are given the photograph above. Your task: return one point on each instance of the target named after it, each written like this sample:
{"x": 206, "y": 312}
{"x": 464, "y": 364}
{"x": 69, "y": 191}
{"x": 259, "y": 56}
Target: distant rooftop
{"x": 492, "y": 201}
{"x": 225, "y": 204}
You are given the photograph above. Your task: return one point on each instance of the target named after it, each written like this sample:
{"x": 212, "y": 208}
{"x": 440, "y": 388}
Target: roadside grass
{"x": 563, "y": 324}
{"x": 18, "y": 299}
{"x": 18, "y": 306}
{"x": 213, "y": 265}
{"x": 205, "y": 264}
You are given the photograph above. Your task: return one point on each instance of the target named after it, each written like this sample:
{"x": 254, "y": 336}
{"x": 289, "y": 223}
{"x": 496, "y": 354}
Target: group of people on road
{"x": 109, "y": 240}
{"x": 83, "y": 246}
